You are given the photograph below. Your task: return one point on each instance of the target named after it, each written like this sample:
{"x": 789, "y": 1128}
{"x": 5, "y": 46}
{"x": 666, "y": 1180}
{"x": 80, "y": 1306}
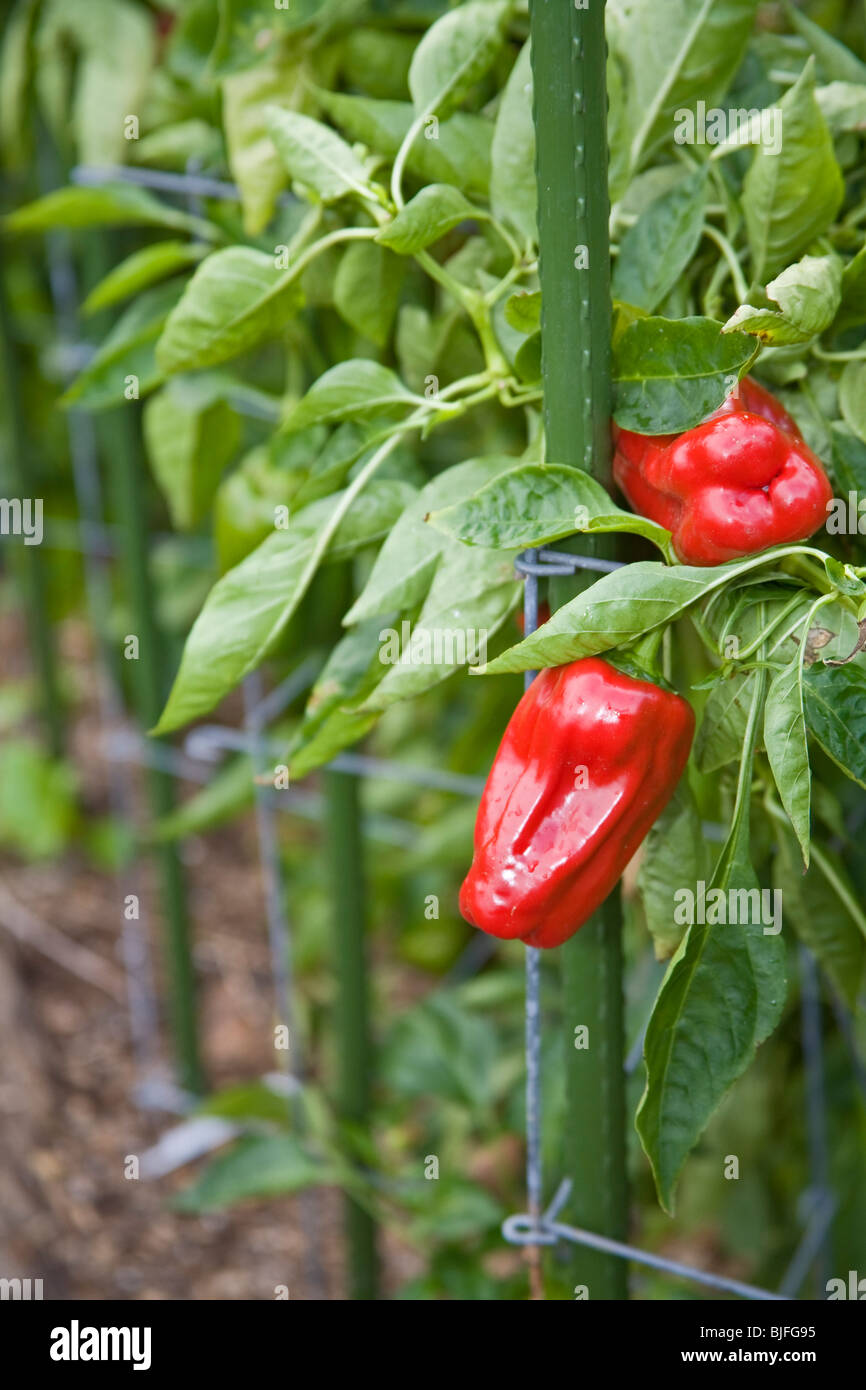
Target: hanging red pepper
{"x": 738, "y": 483}
{"x": 589, "y": 760}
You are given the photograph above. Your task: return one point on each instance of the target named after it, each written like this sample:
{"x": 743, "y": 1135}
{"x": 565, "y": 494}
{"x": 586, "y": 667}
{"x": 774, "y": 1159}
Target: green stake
{"x": 118, "y": 435}
{"x": 39, "y": 634}
{"x": 355, "y": 1054}
{"x": 568, "y": 61}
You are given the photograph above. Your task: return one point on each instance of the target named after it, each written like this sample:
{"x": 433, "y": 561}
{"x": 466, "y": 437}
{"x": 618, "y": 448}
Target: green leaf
{"x": 808, "y": 295}
{"x": 440, "y": 1049}
{"x": 678, "y": 54}
{"x": 852, "y": 397}
{"x": 835, "y": 704}
{"x": 188, "y": 451}
{"x": 407, "y": 561}
{"x": 656, "y": 250}
{"x": 37, "y": 801}
{"x": 620, "y": 607}
{"x": 460, "y": 155}
{"x": 377, "y": 61}
{"x": 255, "y": 165}
{"x": 824, "y": 909}
{"x": 266, "y": 1166}
{"x": 367, "y": 289}
{"x": 235, "y": 298}
{"x": 457, "y": 1211}
{"x": 527, "y": 359}
{"x": 349, "y": 448}
{"x": 245, "y": 507}
{"x": 113, "y": 43}
{"x": 142, "y": 269}
{"x": 787, "y": 749}
{"x": 723, "y": 724}
{"x": 128, "y": 351}
{"x": 230, "y": 790}
{"x": 437, "y": 209}
{"x": 455, "y": 53}
{"x": 174, "y": 146}
{"x": 253, "y": 1100}
{"x": 513, "y": 192}
{"x": 359, "y": 388}
{"x": 791, "y": 197}
{"x": 315, "y": 155}
{"x": 247, "y": 610}
{"x": 472, "y": 594}
{"x": 835, "y": 61}
{"x": 670, "y": 374}
{"x": 843, "y": 105}
{"x": 534, "y": 504}
{"x": 852, "y": 310}
{"x": 721, "y": 997}
{"x": 329, "y": 725}
{"x": 16, "y": 76}
{"x": 110, "y": 205}
{"x": 523, "y": 311}
{"x": 674, "y": 853}
{"x": 849, "y": 459}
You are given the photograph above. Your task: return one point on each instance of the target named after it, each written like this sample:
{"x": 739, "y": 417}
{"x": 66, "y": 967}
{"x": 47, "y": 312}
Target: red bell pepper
{"x": 742, "y": 481}
{"x": 589, "y": 760}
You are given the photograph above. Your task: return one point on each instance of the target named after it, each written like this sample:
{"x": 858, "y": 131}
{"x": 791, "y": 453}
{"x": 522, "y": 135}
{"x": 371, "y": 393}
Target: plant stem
{"x": 475, "y": 306}
{"x": 855, "y": 355}
{"x": 402, "y": 155}
{"x": 732, "y": 259}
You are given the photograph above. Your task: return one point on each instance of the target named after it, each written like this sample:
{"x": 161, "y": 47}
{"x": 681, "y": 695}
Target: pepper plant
{"x": 375, "y": 307}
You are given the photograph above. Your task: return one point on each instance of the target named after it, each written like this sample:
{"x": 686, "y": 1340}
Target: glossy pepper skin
{"x": 588, "y": 761}
{"x": 742, "y": 481}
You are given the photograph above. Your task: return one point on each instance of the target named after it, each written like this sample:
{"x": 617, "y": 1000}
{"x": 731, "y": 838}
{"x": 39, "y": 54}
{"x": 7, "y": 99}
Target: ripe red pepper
{"x": 589, "y": 760}
{"x": 742, "y": 481}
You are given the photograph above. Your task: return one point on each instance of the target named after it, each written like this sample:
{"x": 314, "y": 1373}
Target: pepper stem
{"x": 643, "y": 655}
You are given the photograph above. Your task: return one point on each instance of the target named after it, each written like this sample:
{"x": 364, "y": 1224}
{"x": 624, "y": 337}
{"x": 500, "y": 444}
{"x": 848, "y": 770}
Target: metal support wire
{"x": 526, "y": 1230}
{"x": 160, "y": 180}
{"x": 135, "y": 944}
{"x": 279, "y": 934}
{"x": 547, "y": 563}
{"x": 210, "y": 739}
{"x": 280, "y": 946}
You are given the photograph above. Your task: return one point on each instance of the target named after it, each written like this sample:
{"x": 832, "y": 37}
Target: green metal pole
{"x": 31, "y": 559}
{"x": 118, "y": 434}
{"x": 568, "y": 61}
{"x": 345, "y": 856}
